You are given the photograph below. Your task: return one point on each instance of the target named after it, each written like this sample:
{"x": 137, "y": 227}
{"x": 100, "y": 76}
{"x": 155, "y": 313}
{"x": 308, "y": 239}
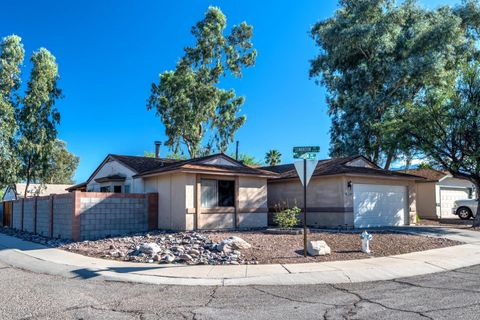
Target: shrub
{"x": 287, "y": 218}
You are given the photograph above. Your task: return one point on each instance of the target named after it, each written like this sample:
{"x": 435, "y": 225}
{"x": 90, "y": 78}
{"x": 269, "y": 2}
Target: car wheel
{"x": 464, "y": 213}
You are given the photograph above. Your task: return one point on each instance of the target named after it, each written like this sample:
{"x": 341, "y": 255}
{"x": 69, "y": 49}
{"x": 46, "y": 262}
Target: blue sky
{"x": 109, "y": 52}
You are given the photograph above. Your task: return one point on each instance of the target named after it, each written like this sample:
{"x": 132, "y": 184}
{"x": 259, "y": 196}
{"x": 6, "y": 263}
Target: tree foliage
{"x": 30, "y": 151}
{"x": 247, "y": 159}
{"x": 38, "y": 117}
{"x": 273, "y": 157}
{"x": 62, "y": 164}
{"x": 11, "y": 59}
{"x": 188, "y": 100}
{"x": 446, "y": 127}
{"x": 378, "y": 58}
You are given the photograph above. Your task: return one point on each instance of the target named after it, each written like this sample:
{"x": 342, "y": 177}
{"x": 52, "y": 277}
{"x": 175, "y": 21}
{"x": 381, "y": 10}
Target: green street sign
{"x": 309, "y": 153}
{"x": 306, "y": 149}
{"x": 308, "y": 156}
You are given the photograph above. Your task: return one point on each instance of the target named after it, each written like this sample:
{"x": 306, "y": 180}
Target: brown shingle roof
{"x": 142, "y": 164}
{"x": 197, "y": 164}
{"x": 337, "y": 166}
{"x": 430, "y": 174}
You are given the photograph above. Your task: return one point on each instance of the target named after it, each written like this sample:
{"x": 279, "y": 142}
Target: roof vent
{"x": 157, "y": 148}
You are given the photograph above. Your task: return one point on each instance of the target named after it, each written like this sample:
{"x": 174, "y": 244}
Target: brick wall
{"x": 87, "y": 215}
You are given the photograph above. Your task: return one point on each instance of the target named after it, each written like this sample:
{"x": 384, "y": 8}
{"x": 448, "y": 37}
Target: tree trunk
{"x": 388, "y": 162}
{"x": 476, "y": 220}
{"x": 27, "y": 182}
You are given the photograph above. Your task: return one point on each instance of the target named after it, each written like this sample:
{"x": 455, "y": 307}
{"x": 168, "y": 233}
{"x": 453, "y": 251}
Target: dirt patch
{"x": 279, "y": 248}
{"x": 451, "y": 223}
{"x": 270, "y": 248}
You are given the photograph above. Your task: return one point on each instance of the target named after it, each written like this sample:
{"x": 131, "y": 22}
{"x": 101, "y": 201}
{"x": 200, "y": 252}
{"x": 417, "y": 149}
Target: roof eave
{"x": 419, "y": 179}
{"x": 203, "y": 171}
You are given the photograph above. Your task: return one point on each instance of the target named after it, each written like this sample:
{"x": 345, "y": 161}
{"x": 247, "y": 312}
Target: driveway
{"x": 448, "y": 295}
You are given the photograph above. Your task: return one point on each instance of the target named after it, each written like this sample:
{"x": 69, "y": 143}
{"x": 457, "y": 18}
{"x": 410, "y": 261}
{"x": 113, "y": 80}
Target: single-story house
{"x": 438, "y": 192}
{"x": 17, "y": 190}
{"x": 349, "y": 191}
{"x": 212, "y": 192}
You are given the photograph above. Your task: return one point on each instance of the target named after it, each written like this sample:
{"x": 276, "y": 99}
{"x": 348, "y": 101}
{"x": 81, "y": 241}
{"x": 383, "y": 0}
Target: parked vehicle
{"x": 465, "y": 209}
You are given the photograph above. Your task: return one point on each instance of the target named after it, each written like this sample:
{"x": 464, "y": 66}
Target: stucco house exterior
{"x": 350, "y": 191}
{"x": 438, "y": 192}
{"x": 212, "y": 192}
{"x": 17, "y": 190}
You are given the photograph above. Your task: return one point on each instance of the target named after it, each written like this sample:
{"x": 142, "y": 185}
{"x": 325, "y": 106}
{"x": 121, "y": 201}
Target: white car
{"x": 465, "y": 209}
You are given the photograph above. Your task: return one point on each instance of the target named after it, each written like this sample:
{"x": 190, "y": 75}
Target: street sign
{"x": 306, "y": 149}
{"x": 310, "y": 167}
{"x": 305, "y": 169}
{"x": 308, "y": 156}
{"x": 309, "y": 153}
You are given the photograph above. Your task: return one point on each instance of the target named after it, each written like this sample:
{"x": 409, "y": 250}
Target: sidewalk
{"x": 37, "y": 258}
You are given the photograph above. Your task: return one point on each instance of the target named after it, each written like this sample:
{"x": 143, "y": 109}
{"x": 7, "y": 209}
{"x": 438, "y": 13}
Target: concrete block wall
{"x": 86, "y": 215}
{"x": 28, "y": 214}
{"x": 43, "y": 216}
{"x": 109, "y": 216}
{"x": 62, "y": 216}
{"x": 17, "y": 215}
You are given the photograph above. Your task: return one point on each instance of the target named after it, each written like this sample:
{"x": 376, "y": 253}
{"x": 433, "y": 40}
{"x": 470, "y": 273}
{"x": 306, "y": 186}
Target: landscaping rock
{"x": 149, "y": 248}
{"x": 318, "y": 248}
{"x": 233, "y": 243}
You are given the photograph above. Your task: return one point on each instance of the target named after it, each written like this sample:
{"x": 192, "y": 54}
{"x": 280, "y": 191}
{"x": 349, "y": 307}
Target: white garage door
{"x": 447, "y": 197}
{"x": 379, "y": 205}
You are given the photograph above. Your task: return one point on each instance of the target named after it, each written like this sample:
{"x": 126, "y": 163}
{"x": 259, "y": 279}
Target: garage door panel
{"x": 448, "y": 196}
{"x": 379, "y": 205}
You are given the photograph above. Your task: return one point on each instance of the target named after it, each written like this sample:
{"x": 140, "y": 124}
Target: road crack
{"x": 363, "y": 299}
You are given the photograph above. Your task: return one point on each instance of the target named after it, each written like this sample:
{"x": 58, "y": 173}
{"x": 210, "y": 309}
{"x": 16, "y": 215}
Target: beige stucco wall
{"x": 325, "y": 200}
{"x": 177, "y": 202}
{"x": 252, "y": 202}
{"x": 426, "y": 200}
{"x": 171, "y": 199}
{"x": 330, "y": 203}
{"x": 114, "y": 167}
{"x": 321, "y": 191}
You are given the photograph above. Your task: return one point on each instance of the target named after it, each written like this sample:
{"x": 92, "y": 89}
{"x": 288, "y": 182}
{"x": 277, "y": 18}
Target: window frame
{"x": 216, "y": 193}
{"x": 106, "y": 189}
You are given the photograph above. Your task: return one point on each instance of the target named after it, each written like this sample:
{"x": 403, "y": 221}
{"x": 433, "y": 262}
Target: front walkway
{"x": 37, "y": 258}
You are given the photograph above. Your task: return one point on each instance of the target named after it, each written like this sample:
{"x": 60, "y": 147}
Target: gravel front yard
{"x": 451, "y": 223}
{"x": 266, "y": 248}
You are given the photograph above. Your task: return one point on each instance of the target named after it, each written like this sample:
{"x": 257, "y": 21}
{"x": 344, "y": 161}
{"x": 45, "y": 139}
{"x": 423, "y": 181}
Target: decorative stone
{"x": 185, "y": 257}
{"x": 168, "y": 258}
{"x": 318, "y": 248}
{"x": 149, "y": 248}
{"x": 233, "y": 243}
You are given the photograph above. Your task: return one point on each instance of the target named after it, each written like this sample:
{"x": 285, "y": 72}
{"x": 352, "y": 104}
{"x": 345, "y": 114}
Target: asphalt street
{"x": 448, "y": 295}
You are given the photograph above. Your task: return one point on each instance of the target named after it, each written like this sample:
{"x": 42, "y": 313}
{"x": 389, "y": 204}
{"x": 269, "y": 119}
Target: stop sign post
{"x": 305, "y": 169}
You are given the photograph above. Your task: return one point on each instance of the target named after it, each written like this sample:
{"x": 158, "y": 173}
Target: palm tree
{"x": 273, "y": 157}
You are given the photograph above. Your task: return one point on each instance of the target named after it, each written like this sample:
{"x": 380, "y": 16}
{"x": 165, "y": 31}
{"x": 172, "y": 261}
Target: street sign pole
{"x": 305, "y": 208}
{"x": 308, "y": 154}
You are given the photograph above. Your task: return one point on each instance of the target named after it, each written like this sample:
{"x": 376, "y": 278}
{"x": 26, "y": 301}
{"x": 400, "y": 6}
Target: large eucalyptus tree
{"x": 189, "y": 101}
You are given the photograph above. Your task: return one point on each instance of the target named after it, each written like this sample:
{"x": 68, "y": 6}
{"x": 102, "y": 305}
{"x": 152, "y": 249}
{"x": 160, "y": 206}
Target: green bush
{"x": 287, "y": 218}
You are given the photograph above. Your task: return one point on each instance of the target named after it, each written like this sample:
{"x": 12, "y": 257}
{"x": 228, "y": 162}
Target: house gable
{"x": 108, "y": 168}
{"x": 361, "y": 162}
{"x": 221, "y": 160}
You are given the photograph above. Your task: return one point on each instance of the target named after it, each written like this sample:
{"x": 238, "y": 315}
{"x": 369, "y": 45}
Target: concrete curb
{"x": 39, "y": 259}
